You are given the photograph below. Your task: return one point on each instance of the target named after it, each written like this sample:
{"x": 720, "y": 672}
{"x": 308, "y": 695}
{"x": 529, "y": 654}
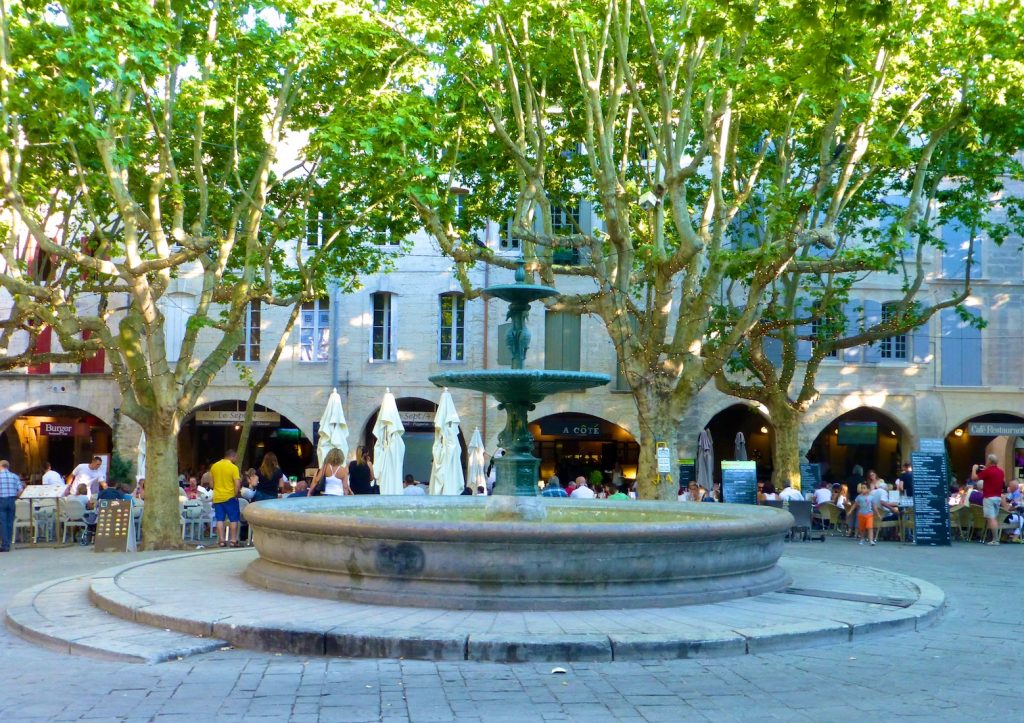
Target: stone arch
{"x": 60, "y": 434}
{"x": 884, "y": 452}
{"x": 570, "y": 444}
{"x": 755, "y": 424}
{"x": 201, "y": 442}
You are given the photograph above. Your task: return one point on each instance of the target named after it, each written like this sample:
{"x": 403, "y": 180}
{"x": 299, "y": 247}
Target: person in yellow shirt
{"x": 227, "y": 481}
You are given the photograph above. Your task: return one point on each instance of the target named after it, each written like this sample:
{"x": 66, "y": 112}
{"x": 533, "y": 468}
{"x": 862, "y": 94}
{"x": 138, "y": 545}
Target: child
{"x": 865, "y": 507}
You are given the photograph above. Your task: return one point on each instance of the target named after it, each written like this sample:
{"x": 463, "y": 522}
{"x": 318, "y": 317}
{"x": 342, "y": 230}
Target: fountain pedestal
{"x": 517, "y": 389}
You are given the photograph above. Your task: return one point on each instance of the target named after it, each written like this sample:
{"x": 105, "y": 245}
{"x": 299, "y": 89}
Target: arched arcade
{"x": 865, "y": 436}
{"x": 59, "y": 434}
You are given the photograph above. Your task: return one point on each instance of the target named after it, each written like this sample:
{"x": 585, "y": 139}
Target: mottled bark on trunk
{"x": 657, "y": 428}
{"x": 161, "y": 520}
{"x": 786, "y": 448}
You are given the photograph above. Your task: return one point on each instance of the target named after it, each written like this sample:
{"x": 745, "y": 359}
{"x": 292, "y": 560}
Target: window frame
{"x": 317, "y": 307}
{"x": 244, "y": 352}
{"x": 889, "y": 347}
{"x": 456, "y": 329}
{"x": 388, "y": 342}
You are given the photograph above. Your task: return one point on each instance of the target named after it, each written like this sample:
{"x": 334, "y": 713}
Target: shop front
{"x": 216, "y": 427}
{"x": 63, "y": 436}
{"x": 998, "y": 433}
{"x": 574, "y": 444}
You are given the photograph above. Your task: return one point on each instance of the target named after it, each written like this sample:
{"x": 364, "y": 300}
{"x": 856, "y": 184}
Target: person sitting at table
{"x": 822, "y": 494}
{"x": 82, "y": 495}
{"x": 767, "y": 494}
{"x": 1014, "y": 495}
{"x": 976, "y": 496}
{"x": 192, "y": 489}
{"x": 839, "y": 496}
{"x": 790, "y": 493}
{"x": 956, "y": 495}
{"x": 301, "y": 489}
{"x": 880, "y": 494}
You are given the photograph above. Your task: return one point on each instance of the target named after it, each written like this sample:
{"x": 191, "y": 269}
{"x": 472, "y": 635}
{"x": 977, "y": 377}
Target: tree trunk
{"x": 161, "y": 519}
{"x": 786, "y": 451}
{"x": 657, "y": 426}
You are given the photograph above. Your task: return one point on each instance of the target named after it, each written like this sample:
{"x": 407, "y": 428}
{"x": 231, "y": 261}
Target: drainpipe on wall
{"x": 334, "y": 317}
{"x": 487, "y": 329}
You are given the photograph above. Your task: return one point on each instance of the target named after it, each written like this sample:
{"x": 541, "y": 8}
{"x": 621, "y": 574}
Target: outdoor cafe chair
{"x": 978, "y": 522}
{"x": 23, "y": 517}
{"x": 73, "y": 515}
{"x": 960, "y": 521}
{"x": 883, "y": 524}
{"x": 801, "y": 511}
{"x": 828, "y": 512}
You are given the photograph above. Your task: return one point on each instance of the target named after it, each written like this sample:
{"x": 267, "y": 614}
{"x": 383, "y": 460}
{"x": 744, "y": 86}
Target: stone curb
{"x": 132, "y": 643}
{"x": 352, "y": 640}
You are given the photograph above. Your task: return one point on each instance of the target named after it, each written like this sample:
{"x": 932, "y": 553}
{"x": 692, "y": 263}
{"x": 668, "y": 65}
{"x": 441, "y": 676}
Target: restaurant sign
{"x": 57, "y": 429}
{"x": 996, "y": 429}
{"x": 417, "y": 420}
{"x": 224, "y": 419}
{"x": 574, "y": 427}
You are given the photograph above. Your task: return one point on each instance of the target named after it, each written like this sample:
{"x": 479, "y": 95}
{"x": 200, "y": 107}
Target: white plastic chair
{"x": 72, "y": 515}
{"x": 191, "y": 520}
{"x": 45, "y": 518}
{"x": 22, "y": 517}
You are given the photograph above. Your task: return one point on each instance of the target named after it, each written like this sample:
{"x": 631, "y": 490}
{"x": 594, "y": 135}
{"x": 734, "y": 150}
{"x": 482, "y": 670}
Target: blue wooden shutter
{"x": 504, "y": 355}
{"x": 961, "y": 350}
{"x": 920, "y": 344}
{"x": 552, "y": 340}
{"x": 852, "y": 309}
{"x": 957, "y": 239}
{"x": 804, "y": 310}
{"x": 872, "y": 317}
{"x": 773, "y": 351}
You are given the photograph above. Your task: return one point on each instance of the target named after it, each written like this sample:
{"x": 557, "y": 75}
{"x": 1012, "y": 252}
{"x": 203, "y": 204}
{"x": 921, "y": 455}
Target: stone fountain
{"x": 519, "y": 390}
{"x": 516, "y": 550}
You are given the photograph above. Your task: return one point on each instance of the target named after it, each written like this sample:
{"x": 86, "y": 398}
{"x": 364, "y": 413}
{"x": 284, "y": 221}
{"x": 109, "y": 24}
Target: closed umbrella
{"x": 333, "y": 432}
{"x": 140, "y": 463}
{"x": 389, "y": 451}
{"x": 475, "y": 473}
{"x": 705, "y": 460}
{"x": 740, "y": 451}
{"x": 446, "y": 477}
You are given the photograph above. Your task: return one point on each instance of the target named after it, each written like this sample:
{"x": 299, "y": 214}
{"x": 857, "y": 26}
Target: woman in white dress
{"x": 332, "y": 478}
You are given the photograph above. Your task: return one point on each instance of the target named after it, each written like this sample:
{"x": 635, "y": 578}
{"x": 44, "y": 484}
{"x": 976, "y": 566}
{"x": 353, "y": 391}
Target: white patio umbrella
{"x": 705, "y": 460}
{"x": 740, "y": 449}
{"x": 446, "y": 476}
{"x": 475, "y": 471}
{"x": 333, "y": 432}
{"x": 389, "y": 450}
{"x": 140, "y": 462}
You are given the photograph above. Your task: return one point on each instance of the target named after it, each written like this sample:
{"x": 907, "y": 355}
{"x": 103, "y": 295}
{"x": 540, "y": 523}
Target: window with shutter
{"x": 249, "y": 349}
{"x": 95, "y": 363}
{"x": 452, "y": 327}
{"x": 562, "y": 340}
{"x": 961, "y": 350}
{"x": 43, "y": 345}
{"x": 315, "y": 331}
{"x": 382, "y": 336}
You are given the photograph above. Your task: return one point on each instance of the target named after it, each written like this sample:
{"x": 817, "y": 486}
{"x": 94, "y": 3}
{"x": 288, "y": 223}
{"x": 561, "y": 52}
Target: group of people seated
{"x": 583, "y": 489}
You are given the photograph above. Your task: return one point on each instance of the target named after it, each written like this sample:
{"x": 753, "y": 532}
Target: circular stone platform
{"x": 203, "y": 594}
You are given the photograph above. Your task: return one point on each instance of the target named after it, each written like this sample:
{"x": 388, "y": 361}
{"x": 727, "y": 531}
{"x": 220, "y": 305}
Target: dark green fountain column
{"x": 518, "y": 469}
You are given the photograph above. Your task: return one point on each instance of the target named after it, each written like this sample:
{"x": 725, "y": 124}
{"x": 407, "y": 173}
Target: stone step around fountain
{"x": 827, "y": 604}
{"x": 59, "y": 615}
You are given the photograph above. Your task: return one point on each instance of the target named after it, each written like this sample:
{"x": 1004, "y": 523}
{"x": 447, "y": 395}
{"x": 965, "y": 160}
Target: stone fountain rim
{"x": 737, "y": 521}
{"x": 543, "y": 374}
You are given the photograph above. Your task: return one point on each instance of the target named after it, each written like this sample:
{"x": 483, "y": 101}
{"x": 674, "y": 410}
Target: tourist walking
{"x": 361, "y": 478}
{"x": 332, "y": 478}
{"x": 227, "y": 484}
{"x": 268, "y": 479}
{"x": 865, "y": 507}
{"x": 10, "y": 487}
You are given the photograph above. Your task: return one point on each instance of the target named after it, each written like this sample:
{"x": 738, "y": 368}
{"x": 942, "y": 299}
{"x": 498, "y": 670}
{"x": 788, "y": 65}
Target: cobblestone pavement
{"x": 966, "y": 666}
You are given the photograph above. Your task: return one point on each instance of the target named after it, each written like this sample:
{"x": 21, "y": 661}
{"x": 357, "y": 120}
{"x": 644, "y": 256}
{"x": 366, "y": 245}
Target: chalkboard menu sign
{"x": 114, "y": 529}
{"x": 739, "y": 482}
{"x": 810, "y": 476}
{"x": 931, "y": 503}
{"x": 687, "y": 472}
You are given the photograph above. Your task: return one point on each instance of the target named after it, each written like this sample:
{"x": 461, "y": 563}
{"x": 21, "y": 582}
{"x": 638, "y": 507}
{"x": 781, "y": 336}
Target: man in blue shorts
{"x": 227, "y": 481}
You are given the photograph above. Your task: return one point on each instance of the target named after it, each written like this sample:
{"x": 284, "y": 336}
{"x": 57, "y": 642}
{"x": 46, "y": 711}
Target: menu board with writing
{"x": 739, "y": 482}
{"x": 687, "y": 472}
{"x": 810, "y": 476}
{"x": 931, "y": 504}
{"x": 114, "y": 529}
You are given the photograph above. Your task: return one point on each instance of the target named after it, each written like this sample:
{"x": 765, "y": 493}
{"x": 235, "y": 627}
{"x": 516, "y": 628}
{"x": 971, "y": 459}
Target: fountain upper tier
{"x": 520, "y": 385}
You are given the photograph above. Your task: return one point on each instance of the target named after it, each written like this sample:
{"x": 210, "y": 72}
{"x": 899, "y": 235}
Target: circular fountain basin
{"x": 455, "y": 553}
{"x": 526, "y": 385}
